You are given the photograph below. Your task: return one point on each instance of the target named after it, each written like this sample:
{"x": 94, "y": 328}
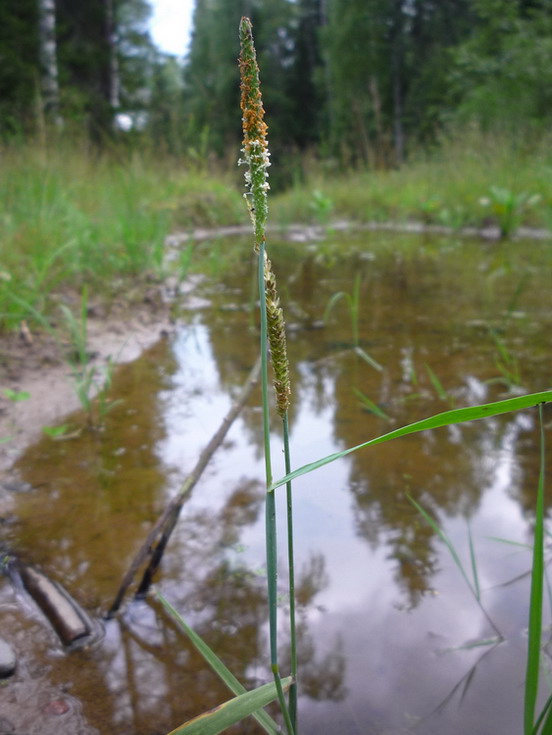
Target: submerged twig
{"x": 166, "y": 522}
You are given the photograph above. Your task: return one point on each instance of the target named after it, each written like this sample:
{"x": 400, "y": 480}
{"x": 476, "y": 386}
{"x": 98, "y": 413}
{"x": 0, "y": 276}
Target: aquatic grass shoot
{"x": 473, "y": 583}
{"x": 352, "y": 301}
{"x": 439, "y": 388}
{"x": 370, "y": 406}
{"x": 218, "y": 666}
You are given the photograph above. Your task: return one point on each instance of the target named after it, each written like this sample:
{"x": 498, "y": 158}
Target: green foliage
{"x": 321, "y": 207}
{"x": 444, "y": 187}
{"x": 69, "y": 218}
{"x": 19, "y": 55}
{"x": 439, "y": 388}
{"x": 353, "y": 304}
{"x": 507, "y": 364}
{"x": 220, "y": 718}
{"x": 225, "y": 675}
{"x": 502, "y": 72}
{"x": 508, "y": 207}
{"x": 369, "y": 405}
{"x": 16, "y": 396}
{"x": 55, "y": 432}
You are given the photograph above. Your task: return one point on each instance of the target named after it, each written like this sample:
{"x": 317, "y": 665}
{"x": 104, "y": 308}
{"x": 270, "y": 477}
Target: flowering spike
{"x": 277, "y": 340}
{"x": 255, "y": 147}
{"x": 256, "y": 158}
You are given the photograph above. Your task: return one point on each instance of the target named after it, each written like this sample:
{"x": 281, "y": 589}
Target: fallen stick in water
{"x": 166, "y": 522}
{"x": 68, "y": 620}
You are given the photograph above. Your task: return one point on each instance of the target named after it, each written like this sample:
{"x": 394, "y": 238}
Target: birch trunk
{"x": 48, "y": 59}
{"x": 114, "y": 82}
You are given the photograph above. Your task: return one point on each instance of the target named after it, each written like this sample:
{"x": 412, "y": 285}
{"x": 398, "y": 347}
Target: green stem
{"x": 535, "y": 608}
{"x": 291, "y": 568}
{"x": 355, "y": 307}
{"x": 270, "y": 510}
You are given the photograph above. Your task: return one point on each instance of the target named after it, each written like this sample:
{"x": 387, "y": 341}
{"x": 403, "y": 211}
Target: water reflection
{"x": 383, "y": 611}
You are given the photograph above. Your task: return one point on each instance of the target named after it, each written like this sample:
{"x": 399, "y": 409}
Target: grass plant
{"x": 91, "y": 382}
{"x": 506, "y": 363}
{"x": 70, "y": 217}
{"x": 272, "y": 338}
{"x": 353, "y": 302}
{"x": 441, "y": 391}
{"x": 370, "y": 406}
{"x": 441, "y": 186}
{"x": 473, "y": 582}
{"x": 508, "y": 207}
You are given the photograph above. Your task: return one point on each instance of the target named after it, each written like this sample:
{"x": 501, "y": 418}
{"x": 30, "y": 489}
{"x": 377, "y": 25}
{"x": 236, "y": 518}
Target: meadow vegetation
{"x": 72, "y": 216}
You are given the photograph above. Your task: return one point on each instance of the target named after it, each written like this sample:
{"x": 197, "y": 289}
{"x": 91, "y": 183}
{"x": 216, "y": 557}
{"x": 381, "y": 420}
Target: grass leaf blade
{"x": 535, "y": 608}
{"x": 224, "y": 673}
{"x": 232, "y": 711}
{"x": 476, "y": 587}
{"x": 332, "y": 302}
{"x": 370, "y": 360}
{"x": 447, "y": 418}
{"x": 370, "y": 405}
{"x": 444, "y": 538}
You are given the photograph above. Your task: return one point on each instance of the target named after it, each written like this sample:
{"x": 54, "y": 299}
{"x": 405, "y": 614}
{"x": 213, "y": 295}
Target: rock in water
{"x": 7, "y": 659}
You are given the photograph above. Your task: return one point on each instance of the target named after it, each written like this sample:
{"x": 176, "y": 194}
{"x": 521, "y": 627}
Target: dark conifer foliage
{"x": 19, "y": 64}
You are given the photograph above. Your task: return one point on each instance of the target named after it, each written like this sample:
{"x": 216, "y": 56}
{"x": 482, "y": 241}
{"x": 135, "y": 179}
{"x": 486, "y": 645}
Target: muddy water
{"x": 385, "y": 616}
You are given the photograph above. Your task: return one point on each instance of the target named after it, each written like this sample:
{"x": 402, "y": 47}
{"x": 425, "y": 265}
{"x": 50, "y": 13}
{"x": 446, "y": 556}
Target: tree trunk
{"x": 48, "y": 59}
{"x": 114, "y": 81}
{"x": 397, "y": 61}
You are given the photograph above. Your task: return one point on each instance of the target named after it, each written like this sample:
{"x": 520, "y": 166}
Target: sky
{"x": 171, "y": 25}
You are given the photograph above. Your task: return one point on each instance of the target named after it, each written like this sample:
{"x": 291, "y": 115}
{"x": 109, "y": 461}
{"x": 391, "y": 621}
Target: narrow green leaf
{"x": 535, "y": 607}
{"x": 232, "y": 711}
{"x": 474, "y": 566}
{"x": 370, "y": 360}
{"x": 547, "y": 724}
{"x": 16, "y": 396}
{"x": 436, "y": 383}
{"x": 333, "y": 301}
{"x": 447, "y": 418}
{"x": 510, "y": 543}
{"x": 483, "y": 643}
{"x": 224, "y": 673}
{"x": 370, "y": 405}
{"x": 445, "y": 539}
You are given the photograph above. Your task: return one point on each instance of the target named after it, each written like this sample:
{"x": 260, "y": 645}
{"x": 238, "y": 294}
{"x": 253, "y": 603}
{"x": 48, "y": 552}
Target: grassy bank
{"x": 69, "y": 216}
{"x": 470, "y": 180}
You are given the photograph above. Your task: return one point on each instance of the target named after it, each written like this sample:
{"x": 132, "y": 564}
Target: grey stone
{"x": 7, "y": 659}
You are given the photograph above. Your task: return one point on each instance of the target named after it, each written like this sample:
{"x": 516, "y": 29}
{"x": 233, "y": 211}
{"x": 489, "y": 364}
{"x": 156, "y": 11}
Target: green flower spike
{"x": 257, "y": 159}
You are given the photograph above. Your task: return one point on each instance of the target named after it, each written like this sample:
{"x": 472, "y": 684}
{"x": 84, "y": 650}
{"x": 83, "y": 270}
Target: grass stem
{"x": 291, "y": 577}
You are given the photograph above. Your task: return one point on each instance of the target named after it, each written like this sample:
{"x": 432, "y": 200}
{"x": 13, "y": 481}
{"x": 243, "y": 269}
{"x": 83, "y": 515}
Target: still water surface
{"x": 385, "y": 615}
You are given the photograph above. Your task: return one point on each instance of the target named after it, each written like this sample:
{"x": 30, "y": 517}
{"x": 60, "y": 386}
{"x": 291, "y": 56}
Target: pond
{"x": 391, "y": 637}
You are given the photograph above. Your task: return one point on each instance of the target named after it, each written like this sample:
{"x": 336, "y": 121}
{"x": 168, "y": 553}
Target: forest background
{"x": 360, "y": 82}
{"x": 436, "y": 110}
